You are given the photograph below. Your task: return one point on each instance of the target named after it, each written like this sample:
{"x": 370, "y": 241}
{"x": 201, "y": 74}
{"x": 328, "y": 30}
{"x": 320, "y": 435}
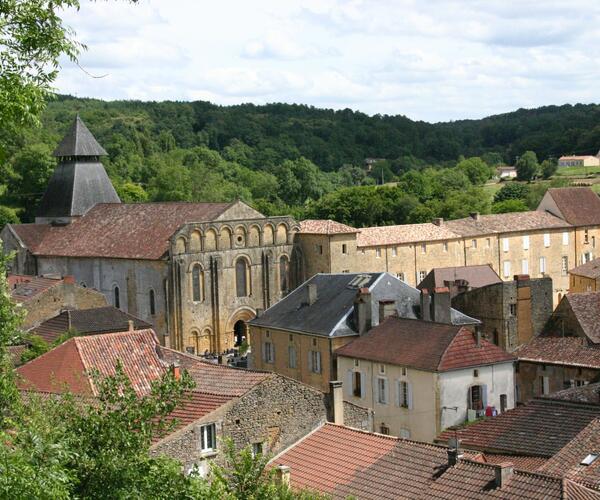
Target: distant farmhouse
{"x": 579, "y": 161}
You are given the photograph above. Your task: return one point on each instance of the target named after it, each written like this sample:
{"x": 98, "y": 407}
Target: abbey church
{"x": 196, "y": 271}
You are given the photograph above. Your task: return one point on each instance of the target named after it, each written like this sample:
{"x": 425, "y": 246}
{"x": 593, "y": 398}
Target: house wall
{"x": 24, "y": 262}
{"x": 418, "y": 422}
{"x": 529, "y": 381}
{"x": 579, "y": 284}
{"x": 454, "y": 386}
{"x": 587, "y": 240}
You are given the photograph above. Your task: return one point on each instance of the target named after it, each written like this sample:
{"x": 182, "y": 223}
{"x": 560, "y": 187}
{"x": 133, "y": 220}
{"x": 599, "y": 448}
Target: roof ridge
{"x": 199, "y": 360}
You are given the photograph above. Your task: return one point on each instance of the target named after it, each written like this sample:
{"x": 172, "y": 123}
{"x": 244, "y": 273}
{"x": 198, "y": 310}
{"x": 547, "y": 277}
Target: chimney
{"x": 441, "y": 305}
{"x": 130, "y": 325}
{"x": 311, "y": 291}
{"x": 337, "y": 399}
{"x": 259, "y": 312}
{"x": 362, "y": 310}
{"x": 176, "y": 371}
{"x": 425, "y": 305}
{"x": 69, "y": 280}
{"x": 474, "y": 215}
{"x": 454, "y": 454}
{"x": 477, "y": 336}
{"x": 438, "y": 221}
{"x": 503, "y": 472}
{"x": 387, "y": 308}
{"x": 283, "y": 474}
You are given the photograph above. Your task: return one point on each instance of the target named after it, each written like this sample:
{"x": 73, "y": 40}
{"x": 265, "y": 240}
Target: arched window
{"x": 152, "y": 302}
{"x": 116, "y": 298}
{"x": 197, "y": 283}
{"x": 284, "y": 273}
{"x": 242, "y": 278}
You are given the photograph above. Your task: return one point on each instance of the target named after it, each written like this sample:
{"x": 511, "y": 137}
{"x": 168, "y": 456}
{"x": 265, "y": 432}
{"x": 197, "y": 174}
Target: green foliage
{"x": 527, "y": 166}
{"x": 505, "y": 206}
{"x": 129, "y": 192}
{"x": 36, "y": 346}
{"x": 476, "y": 170}
{"x": 548, "y": 168}
{"x": 512, "y": 191}
{"x": 8, "y": 216}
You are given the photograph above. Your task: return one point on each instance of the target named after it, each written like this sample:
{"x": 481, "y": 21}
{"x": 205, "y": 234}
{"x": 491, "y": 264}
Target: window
{"x": 476, "y": 373}
{"x": 542, "y": 265}
{"x": 152, "y": 302}
{"x": 505, "y": 244}
{"x": 477, "y": 397}
{"x": 564, "y": 266}
{"x": 473, "y": 243}
{"x": 257, "y": 449}
{"x": 586, "y": 236}
{"x": 357, "y": 384}
{"x": 405, "y": 433}
{"x": 587, "y": 256}
{"x": 503, "y": 403}
{"x": 404, "y": 398}
{"x": 378, "y": 252}
{"x": 404, "y": 371}
{"x": 284, "y": 272}
{"x": 314, "y": 361}
{"x": 565, "y": 238}
{"x": 356, "y": 362}
{"x": 423, "y": 248}
{"x": 344, "y": 248}
{"x": 242, "y": 277}
{"x": 445, "y": 246}
{"x": 384, "y": 429}
{"x": 488, "y": 242}
{"x": 116, "y": 297}
{"x": 208, "y": 438}
{"x": 593, "y": 242}
{"x": 394, "y": 251}
{"x": 546, "y": 240}
{"x": 382, "y": 369}
{"x": 268, "y": 352}
{"x": 382, "y": 391}
{"x": 197, "y": 283}
{"x": 524, "y": 266}
{"x": 506, "y": 268}
{"x": 544, "y": 385}
{"x": 525, "y": 242}
{"x": 319, "y": 249}
{"x": 291, "y": 356}
{"x": 400, "y": 276}
{"x": 422, "y": 275}
{"x": 513, "y": 309}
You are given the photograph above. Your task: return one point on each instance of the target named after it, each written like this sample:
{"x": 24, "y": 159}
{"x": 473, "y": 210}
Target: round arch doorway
{"x": 239, "y": 333}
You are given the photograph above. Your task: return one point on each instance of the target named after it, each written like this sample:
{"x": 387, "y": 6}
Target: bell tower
{"x": 79, "y": 181}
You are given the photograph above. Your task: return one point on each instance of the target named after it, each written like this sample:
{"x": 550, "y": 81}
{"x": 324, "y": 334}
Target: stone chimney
{"x": 283, "y": 474}
{"x": 524, "y": 309}
{"x": 362, "y": 310}
{"x": 425, "y": 300}
{"x": 337, "y": 401}
{"x": 474, "y": 215}
{"x": 503, "y": 472}
{"x": 438, "y": 221}
{"x": 175, "y": 371}
{"x": 454, "y": 454}
{"x": 441, "y": 305}
{"x": 311, "y": 293}
{"x": 130, "y": 325}
{"x": 387, "y": 308}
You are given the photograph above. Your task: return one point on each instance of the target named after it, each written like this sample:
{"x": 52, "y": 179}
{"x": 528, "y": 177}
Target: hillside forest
{"x": 304, "y": 161}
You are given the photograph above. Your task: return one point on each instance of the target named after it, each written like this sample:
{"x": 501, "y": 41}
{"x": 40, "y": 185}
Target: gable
{"x": 239, "y": 210}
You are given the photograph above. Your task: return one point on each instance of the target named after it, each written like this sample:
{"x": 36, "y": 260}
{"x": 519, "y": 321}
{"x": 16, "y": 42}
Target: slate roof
{"x": 325, "y": 226}
{"x": 406, "y": 233}
{"x": 25, "y": 288}
{"x": 540, "y": 427}
{"x": 569, "y": 351}
{"x": 331, "y": 315}
{"x": 476, "y": 276}
{"x": 423, "y": 345}
{"x": 88, "y": 321}
{"x": 79, "y": 141}
{"x": 590, "y": 269}
{"x": 586, "y": 308}
{"x": 117, "y": 230}
{"x": 505, "y": 223}
{"x": 589, "y": 393}
{"x": 579, "y": 206}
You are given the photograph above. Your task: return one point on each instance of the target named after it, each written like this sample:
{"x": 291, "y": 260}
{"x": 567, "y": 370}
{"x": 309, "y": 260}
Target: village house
{"x": 579, "y": 161}
{"x": 298, "y": 336}
{"x": 459, "y": 279}
{"x": 586, "y": 277}
{"x": 506, "y": 172}
{"x": 261, "y": 410}
{"x": 550, "y": 364}
{"x": 421, "y": 377}
{"x": 511, "y": 312}
{"x": 347, "y": 463}
{"x": 195, "y": 271}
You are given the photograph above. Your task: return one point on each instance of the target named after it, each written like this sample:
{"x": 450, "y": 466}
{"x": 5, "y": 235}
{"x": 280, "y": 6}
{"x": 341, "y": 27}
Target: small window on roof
{"x": 590, "y": 459}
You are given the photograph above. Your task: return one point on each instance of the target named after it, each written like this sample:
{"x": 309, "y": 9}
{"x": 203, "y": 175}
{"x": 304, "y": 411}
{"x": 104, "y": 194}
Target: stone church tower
{"x": 79, "y": 181}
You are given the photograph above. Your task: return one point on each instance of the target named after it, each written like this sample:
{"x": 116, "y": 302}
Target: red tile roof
{"x": 590, "y": 269}
{"x": 406, "y": 233}
{"x": 325, "y": 226}
{"x": 24, "y": 288}
{"x": 540, "y": 427}
{"x": 118, "y": 230}
{"x": 586, "y": 308}
{"x": 423, "y": 345}
{"x": 579, "y": 206}
{"x": 570, "y": 351}
{"x": 521, "y": 462}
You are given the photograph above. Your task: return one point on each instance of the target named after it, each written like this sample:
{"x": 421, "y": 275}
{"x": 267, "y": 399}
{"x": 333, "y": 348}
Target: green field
{"x": 577, "y": 171}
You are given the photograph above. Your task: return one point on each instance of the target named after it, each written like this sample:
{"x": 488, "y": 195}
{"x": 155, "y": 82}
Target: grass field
{"x": 577, "y": 171}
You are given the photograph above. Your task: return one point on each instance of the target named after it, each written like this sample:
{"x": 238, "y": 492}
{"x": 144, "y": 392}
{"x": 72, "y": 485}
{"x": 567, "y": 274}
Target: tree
{"x": 502, "y": 207}
{"x": 8, "y": 216}
{"x": 549, "y": 168}
{"x": 512, "y": 191}
{"x": 527, "y": 166}
{"x": 475, "y": 169}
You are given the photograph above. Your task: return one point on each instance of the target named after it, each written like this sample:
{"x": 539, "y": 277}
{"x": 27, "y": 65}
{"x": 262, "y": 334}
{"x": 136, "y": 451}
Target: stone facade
{"x": 512, "y": 312}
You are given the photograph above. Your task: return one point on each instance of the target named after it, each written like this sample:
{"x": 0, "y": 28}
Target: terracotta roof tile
{"x": 423, "y": 345}
{"x": 586, "y": 308}
{"x": 119, "y": 230}
{"x": 571, "y": 351}
{"x": 521, "y": 462}
{"x": 540, "y": 427}
{"x": 406, "y": 233}
{"x": 590, "y": 269}
{"x": 325, "y": 226}
{"x": 579, "y": 206}
{"x": 24, "y": 288}
{"x": 505, "y": 223}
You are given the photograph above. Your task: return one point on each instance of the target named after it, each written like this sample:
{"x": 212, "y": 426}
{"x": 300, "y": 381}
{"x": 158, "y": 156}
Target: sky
{"x": 432, "y": 60}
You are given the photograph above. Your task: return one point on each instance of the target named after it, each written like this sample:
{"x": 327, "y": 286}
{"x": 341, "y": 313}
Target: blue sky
{"x": 432, "y": 60}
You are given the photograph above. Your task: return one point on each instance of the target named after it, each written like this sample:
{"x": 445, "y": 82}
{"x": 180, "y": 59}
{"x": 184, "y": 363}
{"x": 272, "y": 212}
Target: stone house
{"x": 585, "y": 278}
{"x": 551, "y": 364}
{"x": 263, "y": 410}
{"x": 421, "y": 377}
{"x": 579, "y": 161}
{"x": 299, "y": 335}
{"x": 195, "y": 271}
{"x": 459, "y": 279}
{"x": 44, "y": 297}
{"x": 511, "y": 312}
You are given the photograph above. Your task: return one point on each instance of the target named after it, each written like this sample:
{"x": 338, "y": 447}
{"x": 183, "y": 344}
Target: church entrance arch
{"x": 239, "y": 333}
{"x": 237, "y": 329}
